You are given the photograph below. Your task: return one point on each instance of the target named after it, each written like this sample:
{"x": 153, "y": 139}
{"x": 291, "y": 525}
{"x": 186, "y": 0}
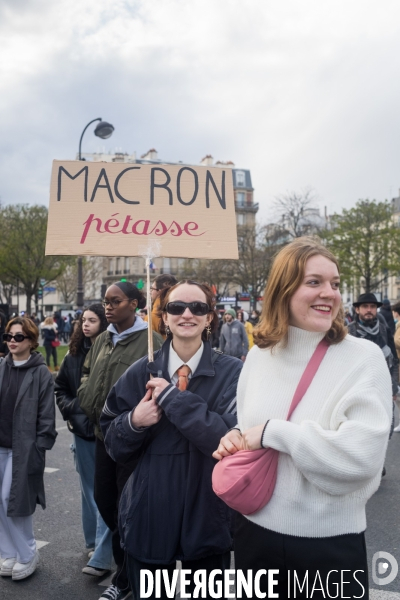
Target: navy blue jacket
{"x": 168, "y": 510}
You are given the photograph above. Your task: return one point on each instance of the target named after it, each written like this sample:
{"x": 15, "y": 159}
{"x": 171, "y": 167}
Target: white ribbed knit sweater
{"x": 332, "y": 450}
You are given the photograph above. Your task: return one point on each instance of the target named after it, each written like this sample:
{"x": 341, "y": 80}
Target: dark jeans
{"x": 109, "y": 481}
{"x": 258, "y": 548}
{"x": 216, "y": 561}
{"x": 51, "y": 351}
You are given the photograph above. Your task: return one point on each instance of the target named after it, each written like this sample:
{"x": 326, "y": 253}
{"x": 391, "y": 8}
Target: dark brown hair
{"x": 28, "y": 327}
{"x": 210, "y": 299}
{"x": 165, "y": 280}
{"x": 287, "y": 274}
{"x": 396, "y": 308}
{"x": 77, "y": 337}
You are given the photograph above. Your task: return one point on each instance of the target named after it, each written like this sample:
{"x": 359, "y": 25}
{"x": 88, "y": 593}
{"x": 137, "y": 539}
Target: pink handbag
{"x": 245, "y": 481}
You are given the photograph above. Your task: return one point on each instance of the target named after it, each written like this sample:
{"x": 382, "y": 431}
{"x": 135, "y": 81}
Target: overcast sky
{"x": 301, "y": 93}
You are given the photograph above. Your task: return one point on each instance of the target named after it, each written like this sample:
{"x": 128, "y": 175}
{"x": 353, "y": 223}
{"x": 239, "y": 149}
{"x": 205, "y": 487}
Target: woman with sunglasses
{"x": 170, "y": 413}
{"x": 91, "y": 324}
{"x": 27, "y": 430}
{"x": 122, "y": 344}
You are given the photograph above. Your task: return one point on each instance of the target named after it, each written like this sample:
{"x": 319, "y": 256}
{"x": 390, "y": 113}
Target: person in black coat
{"x": 91, "y": 323}
{"x": 49, "y": 335}
{"x": 3, "y": 345}
{"x": 386, "y": 312}
{"x": 170, "y": 414}
{"x": 27, "y": 430}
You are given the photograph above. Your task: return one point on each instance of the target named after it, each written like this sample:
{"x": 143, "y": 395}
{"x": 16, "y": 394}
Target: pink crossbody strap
{"x": 308, "y": 374}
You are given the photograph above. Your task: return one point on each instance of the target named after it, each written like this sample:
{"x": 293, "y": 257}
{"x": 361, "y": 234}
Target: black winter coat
{"x": 386, "y": 312}
{"x": 385, "y": 337}
{"x": 168, "y": 510}
{"x": 66, "y": 387}
{"x": 33, "y": 433}
{"x": 49, "y": 334}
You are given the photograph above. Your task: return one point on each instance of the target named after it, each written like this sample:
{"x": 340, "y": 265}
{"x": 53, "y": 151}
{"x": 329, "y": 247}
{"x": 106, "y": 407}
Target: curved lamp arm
{"x": 80, "y": 141}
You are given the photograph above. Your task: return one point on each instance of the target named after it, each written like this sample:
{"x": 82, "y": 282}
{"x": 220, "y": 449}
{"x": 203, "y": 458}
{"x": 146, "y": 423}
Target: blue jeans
{"x": 96, "y": 533}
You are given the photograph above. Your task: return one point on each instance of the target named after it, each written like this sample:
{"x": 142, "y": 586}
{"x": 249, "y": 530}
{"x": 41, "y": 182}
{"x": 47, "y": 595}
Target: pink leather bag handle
{"x": 308, "y": 374}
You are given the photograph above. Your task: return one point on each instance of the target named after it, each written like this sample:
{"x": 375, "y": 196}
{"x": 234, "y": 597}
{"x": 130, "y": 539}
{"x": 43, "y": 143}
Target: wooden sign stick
{"x": 149, "y": 321}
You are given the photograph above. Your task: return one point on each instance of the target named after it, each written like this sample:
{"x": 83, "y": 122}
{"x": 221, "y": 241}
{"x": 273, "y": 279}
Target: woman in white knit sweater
{"x": 331, "y": 451}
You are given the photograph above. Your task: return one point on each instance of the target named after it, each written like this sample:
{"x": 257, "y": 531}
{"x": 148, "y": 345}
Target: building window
{"x": 240, "y": 219}
{"x": 166, "y": 268}
{"x": 240, "y": 199}
{"x": 240, "y": 178}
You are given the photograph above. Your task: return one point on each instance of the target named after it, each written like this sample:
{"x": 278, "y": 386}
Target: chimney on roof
{"x": 150, "y": 155}
{"x": 228, "y": 164}
{"x": 207, "y": 161}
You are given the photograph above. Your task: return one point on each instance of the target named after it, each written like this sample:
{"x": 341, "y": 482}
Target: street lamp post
{"x": 103, "y": 130}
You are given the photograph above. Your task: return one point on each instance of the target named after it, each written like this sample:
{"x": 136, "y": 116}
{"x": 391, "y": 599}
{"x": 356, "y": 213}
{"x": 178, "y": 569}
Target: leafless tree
{"x": 257, "y": 249}
{"x": 298, "y": 213}
{"x": 92, "y": 274}
{"x": 214, "y": 272}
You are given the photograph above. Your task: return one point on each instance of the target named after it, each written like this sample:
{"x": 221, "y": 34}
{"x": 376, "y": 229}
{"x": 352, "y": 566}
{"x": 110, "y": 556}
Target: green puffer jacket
{"x": 104, "y": 365}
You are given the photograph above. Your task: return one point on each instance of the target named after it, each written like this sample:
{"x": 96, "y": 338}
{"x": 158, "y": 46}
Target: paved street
{"x": 63, "y": 553}
{"x": 383, "y": 532}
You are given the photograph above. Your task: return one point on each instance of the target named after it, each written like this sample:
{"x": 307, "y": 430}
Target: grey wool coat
{"x": 33, "y": 433}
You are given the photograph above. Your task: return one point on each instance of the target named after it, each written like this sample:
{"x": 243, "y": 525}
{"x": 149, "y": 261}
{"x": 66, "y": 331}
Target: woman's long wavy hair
{"x": 77, "y": 337}
{"x": 287, "y": 274}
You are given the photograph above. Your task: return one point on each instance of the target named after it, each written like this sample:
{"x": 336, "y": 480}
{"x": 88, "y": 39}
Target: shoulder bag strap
{"x": 308, "y": 375}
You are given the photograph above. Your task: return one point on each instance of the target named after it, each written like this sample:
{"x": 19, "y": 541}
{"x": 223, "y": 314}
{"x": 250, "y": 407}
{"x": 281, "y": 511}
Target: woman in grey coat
{"x": 27, "y": 430}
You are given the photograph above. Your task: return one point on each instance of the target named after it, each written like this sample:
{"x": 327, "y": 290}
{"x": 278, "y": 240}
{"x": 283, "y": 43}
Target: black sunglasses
{"x": 198, "y": 309}
{"x": 18, "y": 337}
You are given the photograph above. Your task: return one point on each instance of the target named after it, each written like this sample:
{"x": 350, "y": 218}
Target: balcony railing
{"x": 246, "y": 206}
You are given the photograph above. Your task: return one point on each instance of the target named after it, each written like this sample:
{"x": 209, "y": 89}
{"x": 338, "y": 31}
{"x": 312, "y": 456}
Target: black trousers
{"x": 216, "y": 561}
{"x": 109, "y": 481}
{"x": 336, "y": 564}
{"x": 51, "y": 351}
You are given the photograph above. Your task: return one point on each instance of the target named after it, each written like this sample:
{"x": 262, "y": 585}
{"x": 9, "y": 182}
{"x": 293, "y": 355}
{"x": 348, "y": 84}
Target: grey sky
{"x": 302, "y": 93}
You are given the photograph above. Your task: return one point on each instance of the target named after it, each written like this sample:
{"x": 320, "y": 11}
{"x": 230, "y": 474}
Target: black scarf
{"x": 370, "y": 330}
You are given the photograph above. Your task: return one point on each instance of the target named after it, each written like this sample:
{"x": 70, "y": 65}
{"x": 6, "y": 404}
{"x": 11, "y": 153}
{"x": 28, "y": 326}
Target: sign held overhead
{"x": 113, "y": 209}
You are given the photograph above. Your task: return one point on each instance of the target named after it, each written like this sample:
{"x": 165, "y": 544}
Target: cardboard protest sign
{"x": 116, "y": 209}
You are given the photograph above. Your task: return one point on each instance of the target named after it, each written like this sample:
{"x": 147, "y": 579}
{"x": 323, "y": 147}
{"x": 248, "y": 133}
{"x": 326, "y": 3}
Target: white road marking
{"x": 40, "y": 544}
{"x": 50, "y": 470}
{"x": 381, "y": 595}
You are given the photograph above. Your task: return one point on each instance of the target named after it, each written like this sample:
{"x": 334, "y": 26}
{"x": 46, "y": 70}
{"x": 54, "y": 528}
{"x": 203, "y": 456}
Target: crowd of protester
{"x": 146, "y": 436}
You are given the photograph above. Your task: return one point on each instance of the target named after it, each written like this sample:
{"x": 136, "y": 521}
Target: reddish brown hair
{"x": 28, "y": 327}
{"x": 210, "y": 299}
{"x": 287, "y": 274}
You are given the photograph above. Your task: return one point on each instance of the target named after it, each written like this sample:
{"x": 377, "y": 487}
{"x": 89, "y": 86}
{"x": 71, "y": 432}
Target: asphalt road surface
{"x": 63, "y": 553}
